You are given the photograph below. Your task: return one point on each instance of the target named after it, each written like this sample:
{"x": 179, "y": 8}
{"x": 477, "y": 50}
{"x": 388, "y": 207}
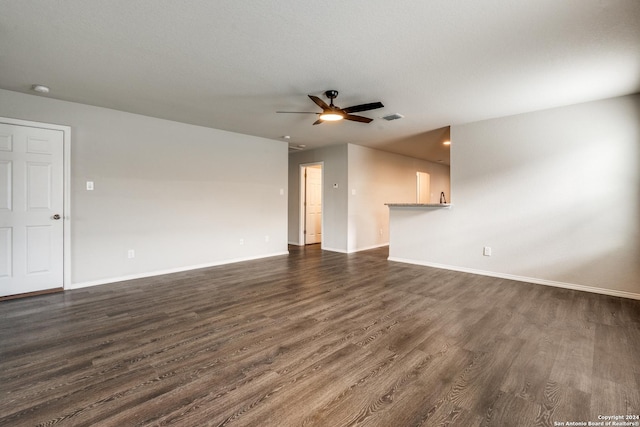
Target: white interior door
{"x": 424, "y": 187}
{"x": 31, "y": 209}
{"x": 313, "y": 205}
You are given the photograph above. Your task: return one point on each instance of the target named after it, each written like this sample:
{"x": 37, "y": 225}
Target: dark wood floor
{"x": 319, "y": 339}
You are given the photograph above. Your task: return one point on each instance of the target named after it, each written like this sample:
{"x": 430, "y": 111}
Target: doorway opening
{"x": 311, "y": 223}
{"x": 423, "y": 187}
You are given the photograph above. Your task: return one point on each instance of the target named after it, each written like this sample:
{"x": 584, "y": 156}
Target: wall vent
{"x": 394, "y": 116}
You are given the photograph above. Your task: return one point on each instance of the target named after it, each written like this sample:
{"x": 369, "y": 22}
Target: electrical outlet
{"x": 131, "y": 253}
{"x": 486, "y": 251}
{"x": 89, "y": 185}
{"x": 241, "y": 241}
{"x": 266, "y": 239}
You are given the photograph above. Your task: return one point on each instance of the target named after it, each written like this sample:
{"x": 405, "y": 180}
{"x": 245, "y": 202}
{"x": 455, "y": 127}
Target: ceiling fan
{"x": 333, "y": 113}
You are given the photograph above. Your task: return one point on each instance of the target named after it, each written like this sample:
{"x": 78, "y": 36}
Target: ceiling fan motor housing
{"x": 331, "y": 94}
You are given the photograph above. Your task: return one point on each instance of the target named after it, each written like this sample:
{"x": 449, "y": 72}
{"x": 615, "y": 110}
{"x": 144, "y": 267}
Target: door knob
{"x": 56, "y": 217}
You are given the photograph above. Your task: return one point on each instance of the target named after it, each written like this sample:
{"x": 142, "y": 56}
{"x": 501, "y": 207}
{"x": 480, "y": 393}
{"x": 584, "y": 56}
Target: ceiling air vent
{"x": 294, "y": 148}
{"x": 394, "y": 116}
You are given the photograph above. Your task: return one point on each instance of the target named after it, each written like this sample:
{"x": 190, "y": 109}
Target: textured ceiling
{"x": 232, "y": 64}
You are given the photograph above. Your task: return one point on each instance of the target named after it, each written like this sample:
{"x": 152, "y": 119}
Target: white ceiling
{"x": 231, "y": 64}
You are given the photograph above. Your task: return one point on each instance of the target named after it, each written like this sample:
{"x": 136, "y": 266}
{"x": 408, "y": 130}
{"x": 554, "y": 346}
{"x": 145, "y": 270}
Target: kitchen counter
{"x": 418, "y": 205}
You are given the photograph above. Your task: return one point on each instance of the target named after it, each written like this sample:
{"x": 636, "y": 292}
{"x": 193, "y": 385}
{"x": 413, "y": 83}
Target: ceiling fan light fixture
{"x": 331, "y": 116}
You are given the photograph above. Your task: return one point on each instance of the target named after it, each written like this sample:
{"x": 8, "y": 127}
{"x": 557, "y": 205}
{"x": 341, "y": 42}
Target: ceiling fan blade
{"x": 319, "y": 102}
{"x": 317, "y": 122}
{"x": 363, "y": 107}
{"x": 297, "y": 112}
{"x": 357, "y": 118}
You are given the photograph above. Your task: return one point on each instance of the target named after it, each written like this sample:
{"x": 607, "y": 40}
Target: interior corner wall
{"x": 181, "y": 196}
{"x": 334, "y": 195}
{"x": 378, "y": 177}
{"x": 554, "y": 193}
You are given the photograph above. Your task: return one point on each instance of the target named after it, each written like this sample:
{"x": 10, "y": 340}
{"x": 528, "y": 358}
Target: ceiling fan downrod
{"x": 331, "y": 94}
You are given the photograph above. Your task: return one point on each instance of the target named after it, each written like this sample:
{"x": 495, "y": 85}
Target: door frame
{"x": 301, "y": 220}
{"x": 66, "y": 225}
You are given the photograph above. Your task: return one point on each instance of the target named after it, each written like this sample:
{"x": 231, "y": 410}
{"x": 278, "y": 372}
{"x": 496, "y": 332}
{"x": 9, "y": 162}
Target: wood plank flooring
{"x": 318, "y": 339}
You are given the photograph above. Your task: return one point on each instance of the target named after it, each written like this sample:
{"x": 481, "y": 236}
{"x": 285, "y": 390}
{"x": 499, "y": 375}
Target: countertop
{"x": 418, "y": 205}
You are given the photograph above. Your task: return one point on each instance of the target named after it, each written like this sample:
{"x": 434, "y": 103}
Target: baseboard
{"x": 168, "y": 271}
{"x": 565, "y": 285}
{"x": 368, "y": 248}
{"x": 342, "y": 251}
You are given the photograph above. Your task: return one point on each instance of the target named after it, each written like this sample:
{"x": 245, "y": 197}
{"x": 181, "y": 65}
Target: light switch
{"x": 89, "y": 185}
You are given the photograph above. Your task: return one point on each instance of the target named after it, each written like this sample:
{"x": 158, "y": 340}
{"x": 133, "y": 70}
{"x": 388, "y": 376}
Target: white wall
{"x": 555, "y": 194}
{"x": 334, "y": 200}
{"x": 378, "y": 177}
{"x": 180, "y": 195}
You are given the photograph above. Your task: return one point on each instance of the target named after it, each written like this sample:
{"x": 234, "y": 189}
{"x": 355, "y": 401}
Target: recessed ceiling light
{"x": 40, "y": 88}
{"x": 286, "y": 137}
